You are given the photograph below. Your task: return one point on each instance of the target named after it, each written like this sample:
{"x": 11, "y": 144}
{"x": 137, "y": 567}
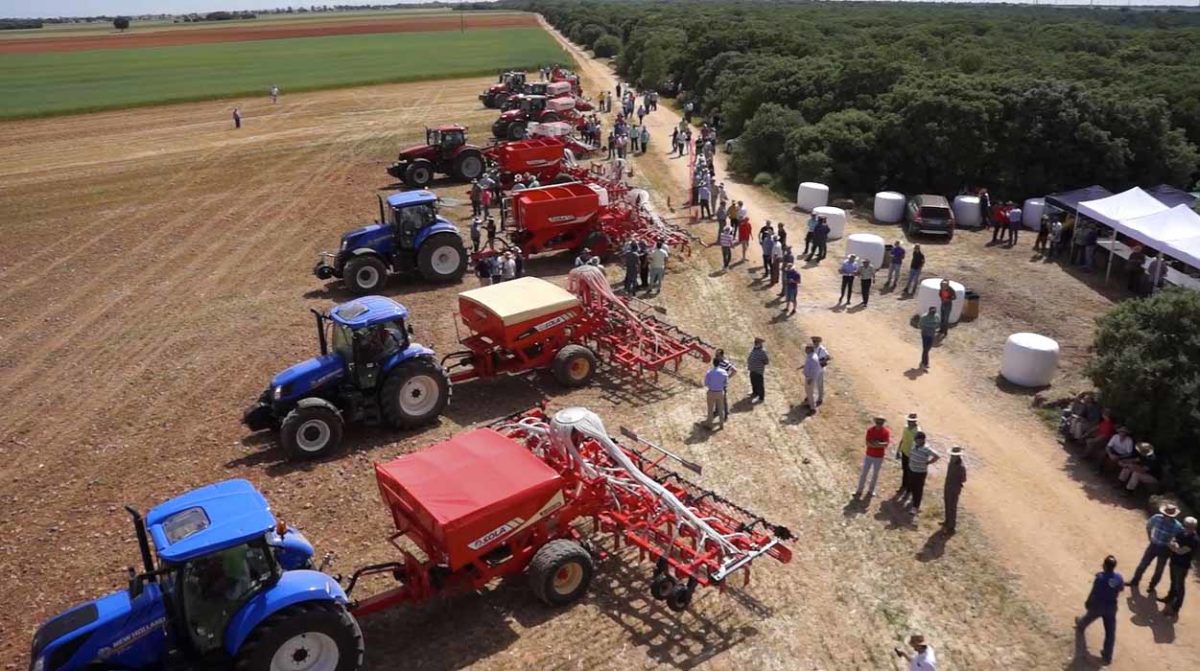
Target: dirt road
{"x": 1043, "y": 519}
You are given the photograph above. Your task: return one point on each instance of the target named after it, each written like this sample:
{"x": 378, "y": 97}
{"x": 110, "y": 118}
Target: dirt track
{"x": 157, "y": 273}
{"x": 242, "y": 33}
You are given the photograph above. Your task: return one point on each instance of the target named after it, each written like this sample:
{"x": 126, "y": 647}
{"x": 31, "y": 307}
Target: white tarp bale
{"x": 1029, "y": 360}
{"x": 966, "y": 211}
{"x": 889, "y": 207}
{"x": 835, "y": 218}
{"x": 811, "y": 195}
{"x": 866, "y": 246}
{"x": 927, "y": 297}
{"x": 1031, "y": 213}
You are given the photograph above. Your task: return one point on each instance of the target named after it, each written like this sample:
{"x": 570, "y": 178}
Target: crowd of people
{"x": 1092, "y": 427}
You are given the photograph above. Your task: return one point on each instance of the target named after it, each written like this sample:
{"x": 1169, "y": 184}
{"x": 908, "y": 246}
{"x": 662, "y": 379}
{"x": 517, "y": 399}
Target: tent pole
{"x": 1112, "y": 251}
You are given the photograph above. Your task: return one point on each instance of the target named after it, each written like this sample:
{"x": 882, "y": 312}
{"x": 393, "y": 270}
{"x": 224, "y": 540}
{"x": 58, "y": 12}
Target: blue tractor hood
{"x": 113, "y": 628}
{"x": 308, "y": 376}
{"x": 377, "y": 237}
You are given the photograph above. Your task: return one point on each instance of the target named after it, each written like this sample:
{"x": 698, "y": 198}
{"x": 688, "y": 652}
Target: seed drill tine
{"x": 690, "y": 465}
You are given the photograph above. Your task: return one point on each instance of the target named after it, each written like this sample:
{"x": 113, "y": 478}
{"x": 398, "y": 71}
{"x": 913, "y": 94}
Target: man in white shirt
{"x": 658, "y": 266}
{"x": 923, "y": 659}
{"x": 824, "y": 357}
{"x": 813, "y": 372}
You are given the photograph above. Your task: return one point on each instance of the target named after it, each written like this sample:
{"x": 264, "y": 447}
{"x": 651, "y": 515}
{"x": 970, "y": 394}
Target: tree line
{"x": 916, "y": 98}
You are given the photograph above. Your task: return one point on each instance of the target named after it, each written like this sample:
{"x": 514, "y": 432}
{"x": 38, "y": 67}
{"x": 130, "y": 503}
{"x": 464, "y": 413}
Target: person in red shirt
{"x": 878, "y": 439}
{"x": 743, "y": 233}
{"x": 1105, "y": 430}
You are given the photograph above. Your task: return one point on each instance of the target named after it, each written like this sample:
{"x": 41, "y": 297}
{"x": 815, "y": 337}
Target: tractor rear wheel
{"x": 415, "y": 393}
{"x": 310, "y": 636}
{"x": 310, "y": 433}
{"x": 442, "y": 258}
{"x": 560, "y": 572}
{"x": 516, "y": 130}
{"x": 364, "y": 274}
{"x": 574, "y": 366}
{"x": 468, "y": 165}
{"x": 419, "y": 174}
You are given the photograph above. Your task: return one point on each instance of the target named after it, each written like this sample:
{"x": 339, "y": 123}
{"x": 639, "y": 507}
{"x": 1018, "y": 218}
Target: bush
{"x": 121, "y": 23}
{"x": 1147, "y": 369}
{"x": 760, "y": 147}
{"x": 606, "y": 46}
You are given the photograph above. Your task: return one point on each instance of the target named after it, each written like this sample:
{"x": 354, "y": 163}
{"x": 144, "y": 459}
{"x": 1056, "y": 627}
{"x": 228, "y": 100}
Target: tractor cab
{"x": 533, "y": 105}
{"x": 365, "y": 333}
{"x": 446, "y": 138}
{"x": 408, "y": 213}
{"x": 536, "y": 88}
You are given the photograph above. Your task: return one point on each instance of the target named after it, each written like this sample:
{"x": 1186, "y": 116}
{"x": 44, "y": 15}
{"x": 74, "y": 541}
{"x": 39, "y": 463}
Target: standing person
{"x": 476, "y": 198}
{"x": 716, "y": 381}
{"x": 823, "y": 357}
{"x": 878, "y": 440}
{"x": 1090, "y": 240}
{"x": 722, "y": 214}
{"x": 924, "y": 658}
{"x": 985, "y": 206}
{"x": 929, "y": 329}
{"x": 893, "y": 277}
{"x": 1055, "y": 243}
{"x": 946, "y": 303}
{"x": 919, "y": 460}
{"x": 496, "y": 268}
{"x": 776, "y": 261}
{"x": 744, "y": 229}
{"x": 1043, "y": 235}
{"x": 726, "y": 242}
{"x": 490, "y": 228}
{"x": 1014, "y": 225}
{"x": 812, "y": 378}
{"x": 757, "y": 363}
{"x": 808, "y": 233}
{"x": 791, "y": 288}
{"x": 786, "y": 262}
{"x": 848, "y": 270}
{"x": 704, "y": 196}
{"x": 820, "y": 239}
{"x": 475, "y": 234}
{"x": 766, "y": 240}
{"x": 781, "y": 233}
{"x": 658, "y": 266}
{"x": 956, "y": 477}
{"x": 1137, "y": 269}
{"x": 485, "y": 200}
{"x": 1183, "y": 549}
{"x": 999, "y": 219}
{"x": 644, "y": 269}
{"x": 633, "y": 262}
{"x": 1102, "y": 604}
{"x": 483, "y": 270}
{"x": 1160, "y": 529}
{"x": 914, "y": 271}
{"x": 274, "y": 94}
{"x": 508, "y": 268}
{"x": 903, "y": 450}
{"x": 237, "y": 118}
{"x": 645, "y": 138}
{"x": 866, "y": 277}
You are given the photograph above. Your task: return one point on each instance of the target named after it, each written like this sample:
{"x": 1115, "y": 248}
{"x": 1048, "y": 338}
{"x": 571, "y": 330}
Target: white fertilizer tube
{"x": 1029, "y": 360}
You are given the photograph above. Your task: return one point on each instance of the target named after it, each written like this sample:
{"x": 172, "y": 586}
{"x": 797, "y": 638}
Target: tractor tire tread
{"x": 395, "y": 380}
{"x": 297, "y": 417}
{"x": 357, "y": 263}
{"x": 332, "y": 615}
{"x": 425, "y": 257}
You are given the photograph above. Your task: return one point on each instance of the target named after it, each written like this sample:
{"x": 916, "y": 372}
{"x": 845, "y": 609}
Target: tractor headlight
{"x": 343, "y": 247}
{"x": 278, "y": 392}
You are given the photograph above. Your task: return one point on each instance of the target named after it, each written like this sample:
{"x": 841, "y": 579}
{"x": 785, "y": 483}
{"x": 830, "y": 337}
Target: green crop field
{"x": 65, "y": 82}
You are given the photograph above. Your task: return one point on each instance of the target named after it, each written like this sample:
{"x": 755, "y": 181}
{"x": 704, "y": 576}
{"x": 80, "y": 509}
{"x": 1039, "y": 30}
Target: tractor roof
{"x": 450, "y": 127}
{"x": 208, "y": 519}
{"x": 368, "y": 311}
{"x": 406, "y": 198}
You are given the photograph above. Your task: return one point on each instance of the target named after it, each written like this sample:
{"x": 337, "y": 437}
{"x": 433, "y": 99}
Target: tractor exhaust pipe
{"x": 139, "y": 527}
{"x": 321, "y": 331}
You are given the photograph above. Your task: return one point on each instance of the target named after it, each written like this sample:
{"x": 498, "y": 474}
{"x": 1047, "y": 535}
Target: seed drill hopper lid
{"x": 519, "y": 300}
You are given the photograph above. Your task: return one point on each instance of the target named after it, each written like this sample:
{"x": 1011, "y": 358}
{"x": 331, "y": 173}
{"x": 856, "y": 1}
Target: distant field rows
{"x": 59, "y": 83}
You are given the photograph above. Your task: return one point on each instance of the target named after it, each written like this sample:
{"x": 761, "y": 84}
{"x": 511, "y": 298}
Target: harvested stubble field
{"x": 145, "y": 311}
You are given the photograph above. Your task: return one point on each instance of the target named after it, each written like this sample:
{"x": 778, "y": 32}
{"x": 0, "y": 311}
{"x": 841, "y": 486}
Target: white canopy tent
{"x": 1118, "y": 208}
{"x": 1174, "y": 232}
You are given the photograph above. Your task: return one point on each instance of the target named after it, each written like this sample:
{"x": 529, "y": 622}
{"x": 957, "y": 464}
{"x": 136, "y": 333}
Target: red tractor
{"x": 511, "y": 83}
{"x": 445, "y": 152}
{"x": 525, "y": 109}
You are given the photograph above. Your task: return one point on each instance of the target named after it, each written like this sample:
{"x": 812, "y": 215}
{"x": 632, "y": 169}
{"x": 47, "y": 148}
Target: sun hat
{"x": 912, "y": 416}
{"x": 1170, "y": 510}
{"x": 956, "y": 451}
{"x": 1145, "y": 449}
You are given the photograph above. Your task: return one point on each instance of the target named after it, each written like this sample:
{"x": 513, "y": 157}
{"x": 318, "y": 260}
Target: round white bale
{"x": 835, "y": 218}
{"x": 889, "y": 207}
{"x": 811, "y": 195}
{"x": 866, "y": 246}
{"x": 927, "y": 297}
{"x": 1031, "y": 213}
{"x": 966, "y": 211}
{"x": 1029, "y": 360}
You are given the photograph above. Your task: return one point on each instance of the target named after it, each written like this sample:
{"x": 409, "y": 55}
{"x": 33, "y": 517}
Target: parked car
{"x": 929, "y": 214}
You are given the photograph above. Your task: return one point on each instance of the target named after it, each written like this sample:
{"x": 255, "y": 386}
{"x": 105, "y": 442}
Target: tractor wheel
{"x": 364, "y": 274}
{"x": 442, "y": 258}
{"x": 549, "y": 117}
{"x": 310, "y": 433}
{"x": 310, "y": 636}
{"x": 574, "y": 366}
{"x": 516, "y": 130}
{"x": 662, "y": 586}
{"x": 419, "y": 174}
{"x": 560, "y": 572}
{"x": 415, "y": 393}
{"x": 468, "y": 166}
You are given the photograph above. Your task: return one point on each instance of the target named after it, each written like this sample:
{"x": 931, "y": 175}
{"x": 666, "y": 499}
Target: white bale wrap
{"x": 1029, "y": 360}
{"x": 866, "y": 246}
{"x": 889, "y": 207}
{"x": 966, "y": 211}
{"x": 1031, "y": 214}
{"x": 927, "y": 297}
{"x": 811, "y": 195}
{"x": 835, "y": 218}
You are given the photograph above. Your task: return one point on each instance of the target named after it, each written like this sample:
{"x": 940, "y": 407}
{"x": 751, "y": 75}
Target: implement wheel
{"x": 415, "y": 393}
{"x": 310, "y": 432}
{"x": 310, "y": 636}
{"x": 662, "y": 586}
{"x": 560, "y": 572}
{"x": 574, "y": 366}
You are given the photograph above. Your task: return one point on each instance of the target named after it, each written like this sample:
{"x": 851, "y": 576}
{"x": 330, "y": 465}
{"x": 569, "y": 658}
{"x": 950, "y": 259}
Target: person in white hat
{"x": 923, "y": 657}
{"x": 903, "y": 450}
{"x": 956, "y": 477}
{"x": 1160, "y": 529}
{"x": 1142, "y": 468}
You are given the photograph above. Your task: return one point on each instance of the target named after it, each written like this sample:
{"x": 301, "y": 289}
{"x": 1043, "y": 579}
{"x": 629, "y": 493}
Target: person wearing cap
{"x": 716, "y": 381}
{"x": 929, "y": 329}
{"x": 956, "y": 477}
{"x": 878, "y": 439}
{"x": 812, "y": 376}
{"x": 1160, "y": 529}
{"x": 866, "y": 277}
{"x": 1101, "y": 604}
{"x": 920, "y": 458}
{"x": 1183, "y": 550}
{"x": 757, "y": 363}
{"x": 585, "y": 255}
{"x": 848, "y": 269}
{"x": 1143, "y": 468}
{"x": 824, "y": 358}
{"x": 923, "y": 657}
{"x": 903, "y": 450}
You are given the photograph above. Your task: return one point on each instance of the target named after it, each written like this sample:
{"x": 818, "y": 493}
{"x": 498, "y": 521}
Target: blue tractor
{"x": 232, "y": 588}
{"x": 410, "y": 237}
{"x": 368, "y": 371}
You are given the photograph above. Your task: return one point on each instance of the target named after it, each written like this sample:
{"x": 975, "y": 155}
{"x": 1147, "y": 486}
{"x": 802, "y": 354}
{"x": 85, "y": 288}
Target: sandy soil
{"x": 246, "y": 33}
{"x": 157, "y": 273}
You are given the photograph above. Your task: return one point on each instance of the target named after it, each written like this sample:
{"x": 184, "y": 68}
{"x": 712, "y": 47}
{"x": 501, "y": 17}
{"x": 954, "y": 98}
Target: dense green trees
{"x": 606, "y": 46}
{"x": 1026, "y": 100}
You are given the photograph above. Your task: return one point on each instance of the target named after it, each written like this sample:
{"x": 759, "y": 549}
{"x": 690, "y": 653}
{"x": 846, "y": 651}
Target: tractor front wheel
{"x": 364, "y": 274}
{"x": 574, "y": 366}
{"x": 415, "y": 393}
{"x": 560, "y": 572}
{"x": 442, "y": 258}
{"x": 310, "y": 636}
{"x": 419, "y": 174}
{"x": 310, "y": 432}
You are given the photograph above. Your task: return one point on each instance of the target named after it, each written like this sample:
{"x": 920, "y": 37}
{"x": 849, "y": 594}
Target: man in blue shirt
{"x": 716, "y": 380}
{"x": 1102, "y": 604}
{"x": 1160, "y": 529}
